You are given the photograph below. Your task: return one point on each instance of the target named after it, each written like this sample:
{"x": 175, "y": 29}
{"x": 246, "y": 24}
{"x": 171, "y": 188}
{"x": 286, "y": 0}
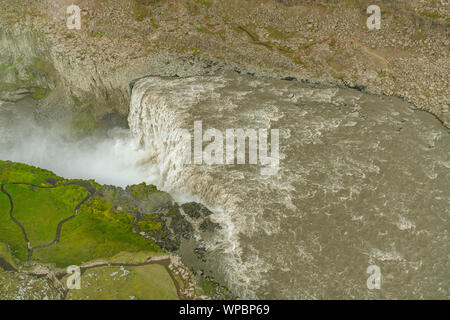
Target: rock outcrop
{"x": 322, "y": 42}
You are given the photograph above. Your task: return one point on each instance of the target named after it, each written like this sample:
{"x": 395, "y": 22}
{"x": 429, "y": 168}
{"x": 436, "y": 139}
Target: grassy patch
{"x": 6, "y": 254}
{"x": 201, "y": 29}
{"x": 140, "y": 10}
{"x": 40, "y": 67}
{"x": 18, "y": 172}
{"x": 98, "y": 232}
{"x": 204, "y": 3}
{"x": 97, "y": 34}
{"x": 431, "y": 15}
{"x": 40, "y": 210}
{"x": 153, "y": 23}
{"x": 276, "y": 34}
{"x": 149, "y": 282}
{"x": 10, "y": 233}
{"x": 41, "y": 93}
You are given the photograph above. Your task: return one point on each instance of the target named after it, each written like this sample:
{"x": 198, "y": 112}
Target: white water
{"x": 290, "y": 235}
{"x": 109, "y": 159}
{"x": 362, "y": 181}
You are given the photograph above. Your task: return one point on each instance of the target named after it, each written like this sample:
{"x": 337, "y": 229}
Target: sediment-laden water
{"x": 362, "y": 180}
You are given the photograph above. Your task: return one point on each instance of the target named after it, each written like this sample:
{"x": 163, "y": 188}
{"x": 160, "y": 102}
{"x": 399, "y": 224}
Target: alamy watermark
{"x": 374, "y": 280}
{"x": 230, "y": 147}
{"x": 74, "y": 280}
{"x": 374, "y": 20}
{"x": 74, "y": 19}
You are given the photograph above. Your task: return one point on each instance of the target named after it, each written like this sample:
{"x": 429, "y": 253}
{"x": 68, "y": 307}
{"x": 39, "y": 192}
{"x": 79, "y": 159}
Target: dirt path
{"x": 24, "y": 233}
{"x": 91, "y": 190}
{"x": 163, "y": 262}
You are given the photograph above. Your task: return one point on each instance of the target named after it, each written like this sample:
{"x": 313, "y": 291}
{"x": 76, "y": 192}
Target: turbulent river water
{"x": 362, "y": 180}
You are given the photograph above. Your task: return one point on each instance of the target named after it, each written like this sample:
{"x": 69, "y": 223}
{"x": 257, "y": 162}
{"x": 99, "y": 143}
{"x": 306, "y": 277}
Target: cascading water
{"x": 363, "y": 180}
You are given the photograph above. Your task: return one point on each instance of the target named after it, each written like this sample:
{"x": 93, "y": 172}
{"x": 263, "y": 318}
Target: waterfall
{"x": 336, "y": 191}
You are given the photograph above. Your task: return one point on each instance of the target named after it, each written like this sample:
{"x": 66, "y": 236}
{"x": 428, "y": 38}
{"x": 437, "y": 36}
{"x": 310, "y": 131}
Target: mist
{"x": 111, "y": 157}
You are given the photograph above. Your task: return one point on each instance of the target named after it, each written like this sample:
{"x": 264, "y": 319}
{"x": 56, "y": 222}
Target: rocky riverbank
{"x": 320, "y": 42}
{"x": 128, "y": 228}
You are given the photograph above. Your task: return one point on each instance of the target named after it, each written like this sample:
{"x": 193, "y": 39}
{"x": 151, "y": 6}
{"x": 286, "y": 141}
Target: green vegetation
{"x": 338, "y": 75}
{"x": 140, "y": 10}
{"x": 97, "y": 34}
{"x": 381, "y": 74}
{"x": 214, "y": 290}
{"x": 40, "y": 210}
{"x": 5, "y": 254}
{"x": 153, "y": 23}
{"x": 41, "y": 93}
{"x": 11, "y": 172}
{"x": 431, "y": 15}
{"x": 148, "y": 282}
{"x": 10, "y": 233}
{"x": 7, "y": 68}
{"x": 41, "y": 68}
{"x": 154, "y": 198}
{"x": 149, "y": 225}
{"x": 276, "y": 34}
{"x": 143, "y": 191}
{"x": 204, "y": 3}
{"x": 98, "y": 232}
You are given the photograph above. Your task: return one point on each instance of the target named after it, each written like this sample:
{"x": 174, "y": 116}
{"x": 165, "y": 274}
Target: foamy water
{"x": 363, "y": 180}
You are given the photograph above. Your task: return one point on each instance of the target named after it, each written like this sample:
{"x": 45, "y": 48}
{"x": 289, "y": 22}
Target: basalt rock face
{"x": 158, "y": 217}
{"x": 324, "y": 42}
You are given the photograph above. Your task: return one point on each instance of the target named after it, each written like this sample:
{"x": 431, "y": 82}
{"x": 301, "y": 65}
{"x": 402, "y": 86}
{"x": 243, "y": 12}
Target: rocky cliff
{"x": 321, "y": 42}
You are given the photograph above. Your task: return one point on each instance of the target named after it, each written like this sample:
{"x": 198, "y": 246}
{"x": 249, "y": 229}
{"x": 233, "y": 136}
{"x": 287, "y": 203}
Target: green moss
{"x": 204, "y": 3}
{"x": 201, "y": 29}
{"x": 98, "y": 231}
{"x": 149, "y": 225}
{"x": 97, "y": 34}
{"x": 41, "y": 93}
{"x": 207, "y": 287}
{"x": 8, "y": 68}
{"x": 77, "y": 102}
{"x": 143, "y": 191}
{"x": 381, "y": 74}
{"x": 214, "y": 290}
{"x": 338, "y": 75}
{"x": 42, "y": 68}
{"x": 153, "y": 23}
